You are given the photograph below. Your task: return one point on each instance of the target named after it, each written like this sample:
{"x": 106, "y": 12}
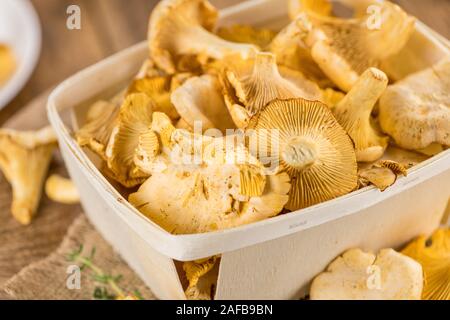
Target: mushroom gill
{"x": 257, "y": 82}
{"x": 135, "y": 119}
{"x": 307, "y": 143}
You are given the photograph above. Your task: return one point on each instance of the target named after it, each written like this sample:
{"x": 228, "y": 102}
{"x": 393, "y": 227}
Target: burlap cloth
{"x": 47, "y": 278}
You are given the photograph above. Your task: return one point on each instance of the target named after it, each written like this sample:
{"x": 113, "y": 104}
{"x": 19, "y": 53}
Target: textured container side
{"x": 157, "y": 271}
{"x": 284, "y": 268}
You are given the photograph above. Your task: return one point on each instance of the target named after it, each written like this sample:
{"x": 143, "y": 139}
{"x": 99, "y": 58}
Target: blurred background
{"x": 109, "y": 26}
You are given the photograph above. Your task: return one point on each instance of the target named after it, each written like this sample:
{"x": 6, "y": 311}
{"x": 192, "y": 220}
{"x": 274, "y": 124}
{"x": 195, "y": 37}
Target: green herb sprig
{"x": 100, "y": 277}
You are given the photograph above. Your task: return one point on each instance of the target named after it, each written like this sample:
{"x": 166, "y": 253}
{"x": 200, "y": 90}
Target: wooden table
{"x": 111, "y": 25}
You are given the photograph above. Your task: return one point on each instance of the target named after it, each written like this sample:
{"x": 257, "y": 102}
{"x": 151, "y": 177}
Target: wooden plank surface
{"x": 111, "y": 25}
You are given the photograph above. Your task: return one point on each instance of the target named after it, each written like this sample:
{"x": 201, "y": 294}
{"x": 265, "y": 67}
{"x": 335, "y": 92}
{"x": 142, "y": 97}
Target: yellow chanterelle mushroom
{"x": 382, "y": 174}
{"x": 415, "y": 111}
{"x": 24, "y": 160}
{"x": 357, "y": 275}
{"x": 345, "y": 48}
{"x": 183, "y": 27}
{"x": 309, "y": 144}
{"x": 158, "y": 88}
{"x": 61, "y": 190}
{"x": 96, "y": 132}
{"x": 354, "y": 111}
{"x": 202, "y": 278}
{"x": 200, "y": 100}
{"x": 251, "y": 85}
{"x": 217, "y": 187}
{"x": 434, "y": 255}
{"x": 132, "y": 129}
{"x": 291, "y": 49}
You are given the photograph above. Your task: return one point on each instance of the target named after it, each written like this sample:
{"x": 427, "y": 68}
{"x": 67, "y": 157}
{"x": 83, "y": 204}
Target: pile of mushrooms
{"x": 226, "y": 126}
{"x": 249, "y": 123}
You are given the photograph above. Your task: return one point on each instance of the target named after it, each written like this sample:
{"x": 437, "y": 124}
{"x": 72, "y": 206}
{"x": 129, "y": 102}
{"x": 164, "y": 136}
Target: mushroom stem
{"x": 300, "y": 153}
{"x": 354, "y": 115}
{"x": 266, "y": 66}
{"x": 211, "y": 45}
{"x": 361, "y": 100}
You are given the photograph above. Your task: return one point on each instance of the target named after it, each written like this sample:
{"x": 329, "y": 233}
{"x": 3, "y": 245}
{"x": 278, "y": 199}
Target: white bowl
{"x": 21, "y": 31}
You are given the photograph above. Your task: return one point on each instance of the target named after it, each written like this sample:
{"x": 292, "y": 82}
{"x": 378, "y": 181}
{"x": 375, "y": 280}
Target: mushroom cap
{"x": 345, "y": 48}
{"x": 200, "y": 99}
{"x": 211, "y": 195}
{"x": 354, "y": 111}
{"x": 135, "y": 120}
{"x": 382, "y": 178}
{"x": 182, "y": 27}
{"x": 199, "y": 12}
{"x": 96, "y": 132}
{"x": 415, "y": 111}
{"x": 357, "y": 275}
{"x": 149, "y": 70}
{"x": 307, "y": 142}
{"x": 24, "y": 160}
{"x": 261, "y": 37}
{"x": 257, "y": 82}
{"x": 159, "y": 90}
{"x": 61, "y": 190}
{"x": 434, "y": 256}
{"x": 202, "y": 278}
{"x": 292, "y": 51}
{"x": 147, "y": 151}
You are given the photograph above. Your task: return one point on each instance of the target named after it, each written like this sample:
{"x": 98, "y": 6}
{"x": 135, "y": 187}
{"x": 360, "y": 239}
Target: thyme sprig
{"x": 100, "y": 277}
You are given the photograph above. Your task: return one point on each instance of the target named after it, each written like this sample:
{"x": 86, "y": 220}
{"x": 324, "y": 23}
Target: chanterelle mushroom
{"x": 292, "y": 51}
{"x": 434, "y": 256}
{"x": 257, "y": 82}
{"x": 200, "y": 99}
{"x": 24, "y": 160}
{"x": 182, "y": 27}
{"x": 223, "y": 188}
{"x": 382, "y": 175}
{"x": 415, "y": 111}
{"x": 357, "y": 275}
{"x": 135, "y": 119}
{"x": 345, "y": 48}
{"x": 307, "y": 142}
{"x": 354, "y": 115}
{"x": 159, "y": 90}
{"x": 61, "y": 190}
{"x": 95, "y": 134}
{"x": 202, "y": 277}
